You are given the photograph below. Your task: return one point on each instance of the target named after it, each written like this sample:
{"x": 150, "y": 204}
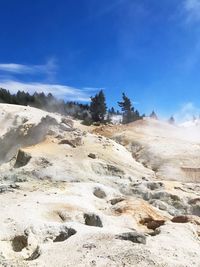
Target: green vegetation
{"x": 95, "y": 112}
{"x": 128, "y": 112}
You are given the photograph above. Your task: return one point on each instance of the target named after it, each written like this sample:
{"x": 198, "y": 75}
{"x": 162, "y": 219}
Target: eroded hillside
{"x": 73, "y": 195}
{"x": 171, "y": 151}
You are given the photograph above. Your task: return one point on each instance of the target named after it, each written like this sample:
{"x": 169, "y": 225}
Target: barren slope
{"x": 70, "y": 197}
{"x": 173, "y": 152}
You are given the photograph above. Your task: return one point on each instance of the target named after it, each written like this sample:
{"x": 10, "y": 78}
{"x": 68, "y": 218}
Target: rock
{"x": 89, "y": 246}
{"x": 114, "y": 201}
{"x": 22, "y": 159}
{"x": 159, "y": 204}
{"x": 134, "y": 237}
{"x": 21, "y": 179}
{"x": 92, "y": 156}
{"x": 65, "y": 128}
{"x": 165, "y": 196}
{"x": 187, "y": 218}
{"x": 67, "y": 142}
{"x": 195, "y": 210}
{"x": 180, "y": 219}
{"x": 68, "y": 122}
{"x": 8, "y": 188}
{"x": 151, "y": 223}
{"x": 145, "y": 179}
{"x": 14, "y": 186}
{"x": 4, "y": 188}
{"x": 36, "y": 253}
{"x": 98, "y": 192}
{"x": 107, "y": 169}
{"x": 114, "y": 171}
{"x": 73, "y": 142}
{"x": 92, "y": 219}
{"x": 194, "y": 201}
{"x": 65, "y": 235}
{"x": 155, "y": 186}
{"x": 19, "y": 242}
{"x": 78, "y": 141}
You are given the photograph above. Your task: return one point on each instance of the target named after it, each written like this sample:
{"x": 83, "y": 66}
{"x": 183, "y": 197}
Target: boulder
{"x": 98, "y": 192}
{"x": 63, "y": 235}
{"x": 22, "y": 159}
{"x": 180, "y": 219}
{"x": 187, "y": 218}
{"x": 19, "y": 242}
{"x": 152, "y": 223}
{"x": 92, "y": 219}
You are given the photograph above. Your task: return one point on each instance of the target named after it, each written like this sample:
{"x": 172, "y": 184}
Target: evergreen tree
{"x": 153, "y": 115}
{"x": 128, "y": 111}
{"x": 46, "y": 102}
{"x": 98, "y": 107}
{"x": 126, "y": 108}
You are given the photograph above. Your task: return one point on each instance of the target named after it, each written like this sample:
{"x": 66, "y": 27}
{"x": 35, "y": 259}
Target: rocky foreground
{"x": 72, "y": 195}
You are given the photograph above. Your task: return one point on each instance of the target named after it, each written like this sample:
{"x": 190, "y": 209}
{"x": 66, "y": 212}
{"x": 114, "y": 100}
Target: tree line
{"x": 46, "y": 102}
{"x": 96, "y": 111}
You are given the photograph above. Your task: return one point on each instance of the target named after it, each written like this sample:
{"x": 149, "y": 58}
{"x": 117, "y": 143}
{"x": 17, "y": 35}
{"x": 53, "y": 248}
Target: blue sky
{"x": 148, "y": 48}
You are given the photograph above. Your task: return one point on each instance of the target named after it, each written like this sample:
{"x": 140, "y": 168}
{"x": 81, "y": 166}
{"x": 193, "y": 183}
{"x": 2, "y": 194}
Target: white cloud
{"x": 14, "y": 68}
{"x": 48, "y": 68}
{"x": 58, "y": 90}
{"x": 8, "y": 80}
{"x": 192, "y": 9}
{"x": 187, "y": 111}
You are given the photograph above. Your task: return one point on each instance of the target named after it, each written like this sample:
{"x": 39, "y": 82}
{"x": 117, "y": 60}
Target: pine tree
{"x": 128, "y": 111}
{"x": 126, "y": 108}
{"x": 98, "y": 107}
{"x": 153, "y": 115}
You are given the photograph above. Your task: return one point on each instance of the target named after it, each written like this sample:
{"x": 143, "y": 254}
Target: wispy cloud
{"x": 58, "y": 90}
{"x": 192, "y": 9}
{"x": 11, "y": 78}
{"x": 15, "y": 68}
{"x": 48, "y": 68}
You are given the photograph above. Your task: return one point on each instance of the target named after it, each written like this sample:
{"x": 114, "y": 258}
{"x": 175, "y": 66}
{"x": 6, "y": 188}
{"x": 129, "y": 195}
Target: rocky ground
{"x": 72, "y": 195}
